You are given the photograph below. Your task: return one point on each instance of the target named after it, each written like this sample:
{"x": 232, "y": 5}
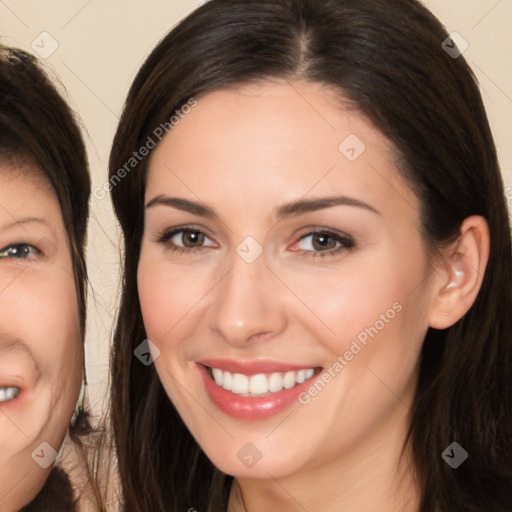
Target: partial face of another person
{"x": 41, "y": 350}
{"x": 283, "y": 280}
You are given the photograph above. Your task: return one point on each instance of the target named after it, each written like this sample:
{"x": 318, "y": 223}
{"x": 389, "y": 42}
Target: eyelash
{"x": 33, "y": 250}
{"x": 346, "y": 242}
{"x": 167, "y": 235}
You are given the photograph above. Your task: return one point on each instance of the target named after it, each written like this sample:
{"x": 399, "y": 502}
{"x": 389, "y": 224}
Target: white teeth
{"x": 289, "y": 380}
{"x": 260, "y": 384}
{"x": 240, "y": 384}
{"x": 275, "y": 382}
{"x": 227, "y": 380}
{"x": 8, "y": 393}
{"x": 217, "y": 375}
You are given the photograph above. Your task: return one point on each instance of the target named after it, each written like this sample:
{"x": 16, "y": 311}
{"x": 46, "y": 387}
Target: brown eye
{"x": 186, "y": 239}
{"x": 192, "y": 238}
{"x": 323, "y": 241}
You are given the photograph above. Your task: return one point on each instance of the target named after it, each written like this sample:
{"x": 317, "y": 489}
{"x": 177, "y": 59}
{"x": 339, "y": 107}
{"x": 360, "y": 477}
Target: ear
{"x": 459, "y": 275}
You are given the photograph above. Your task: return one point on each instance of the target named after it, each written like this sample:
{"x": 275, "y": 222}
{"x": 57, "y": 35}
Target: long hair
{"x": 386, "y": 57}
{"x": 37, "y": 126}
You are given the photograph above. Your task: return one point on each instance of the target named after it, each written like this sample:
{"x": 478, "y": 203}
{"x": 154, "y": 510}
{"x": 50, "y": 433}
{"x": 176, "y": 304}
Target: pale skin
{"x": 245, "y": 152}
{"x": 40, "y": 340}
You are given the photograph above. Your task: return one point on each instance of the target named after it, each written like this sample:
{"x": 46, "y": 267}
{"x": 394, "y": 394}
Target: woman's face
{"x": 41, "y": 350}
{"x": 282, "y": 257}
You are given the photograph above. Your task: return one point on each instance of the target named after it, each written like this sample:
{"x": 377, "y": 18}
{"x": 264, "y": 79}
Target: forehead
{"x": 22, "y": 167}
{"x": 24, "y": 189}
{"x": 281, "y": 140}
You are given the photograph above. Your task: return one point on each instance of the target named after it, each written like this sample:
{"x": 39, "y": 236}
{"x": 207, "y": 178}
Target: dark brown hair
{"x": 39, "y": 134}
{"x": 386, "y": 57}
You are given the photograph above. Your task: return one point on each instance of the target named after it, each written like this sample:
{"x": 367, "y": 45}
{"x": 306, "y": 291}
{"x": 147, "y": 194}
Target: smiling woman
{"x": 321, "y": 280}
{"x": 44, "y": 191}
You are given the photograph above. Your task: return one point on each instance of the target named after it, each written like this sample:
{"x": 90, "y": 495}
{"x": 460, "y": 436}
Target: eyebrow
{"x": 24, "y": 220}
{"x": 299, "y": 207}
{"x": 311, "y": 205}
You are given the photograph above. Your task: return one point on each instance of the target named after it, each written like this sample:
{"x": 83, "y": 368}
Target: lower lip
{"x": 16, "y": 402}
{"x": 251, "y": 408}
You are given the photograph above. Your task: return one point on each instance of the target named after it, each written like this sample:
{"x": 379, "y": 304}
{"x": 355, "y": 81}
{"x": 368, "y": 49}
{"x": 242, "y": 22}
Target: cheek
{"x": 364, "y": 296}
{"x": 379, "y": 333}
{"x": 168, "y": 300}
{"x": 170, "y": 297}
{"x": 55, "y": 313}
{"x": 43, "y": 314}
{"x": 60, "y": 353}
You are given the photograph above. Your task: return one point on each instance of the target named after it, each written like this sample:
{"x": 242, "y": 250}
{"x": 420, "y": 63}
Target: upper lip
{"x": 12, "y": 381}
{"x": 253, "y": 367}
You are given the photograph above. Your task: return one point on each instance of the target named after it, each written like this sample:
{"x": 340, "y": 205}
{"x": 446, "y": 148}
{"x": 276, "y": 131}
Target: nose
{"x": 246, "y": 307}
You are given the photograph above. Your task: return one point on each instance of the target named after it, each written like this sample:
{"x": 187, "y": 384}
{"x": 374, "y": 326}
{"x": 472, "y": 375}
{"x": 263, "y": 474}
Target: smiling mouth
{"x": 261, "y": 384}
{"x": 8, "y": 393}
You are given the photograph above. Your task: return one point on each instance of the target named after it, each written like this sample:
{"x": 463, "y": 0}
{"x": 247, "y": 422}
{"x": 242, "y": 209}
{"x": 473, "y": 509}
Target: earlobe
{"x": 460, "y": 275}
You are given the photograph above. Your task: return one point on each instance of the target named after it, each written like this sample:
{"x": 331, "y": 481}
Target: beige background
{"x": 96, "y": 48}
